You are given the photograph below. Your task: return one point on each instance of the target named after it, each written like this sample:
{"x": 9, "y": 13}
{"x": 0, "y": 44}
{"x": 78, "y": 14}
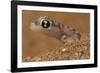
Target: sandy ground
{"x": 39, "y": 47}
{"x": 69, "y": 51}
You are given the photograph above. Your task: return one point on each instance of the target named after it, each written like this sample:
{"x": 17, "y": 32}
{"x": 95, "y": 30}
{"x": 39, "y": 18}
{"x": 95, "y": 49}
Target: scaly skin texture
{"x": 59, "y": 31}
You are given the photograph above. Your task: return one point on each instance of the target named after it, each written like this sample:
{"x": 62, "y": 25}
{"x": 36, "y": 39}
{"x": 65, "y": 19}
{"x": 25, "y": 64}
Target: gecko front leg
{"x": 70, "y": 35}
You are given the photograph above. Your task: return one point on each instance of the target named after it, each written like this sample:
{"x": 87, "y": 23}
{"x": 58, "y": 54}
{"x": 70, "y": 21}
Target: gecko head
{"x": 44, "y": 23}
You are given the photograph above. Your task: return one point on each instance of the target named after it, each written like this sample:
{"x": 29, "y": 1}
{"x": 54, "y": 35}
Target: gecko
{"x": 63, "y": 33}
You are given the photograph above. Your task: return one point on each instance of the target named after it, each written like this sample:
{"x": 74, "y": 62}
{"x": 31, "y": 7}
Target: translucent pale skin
{"x": 57, "y": 30}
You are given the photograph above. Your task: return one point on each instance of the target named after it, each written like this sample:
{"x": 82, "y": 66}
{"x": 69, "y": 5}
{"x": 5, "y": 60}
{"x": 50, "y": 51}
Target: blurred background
{"x": 36, "y": 43}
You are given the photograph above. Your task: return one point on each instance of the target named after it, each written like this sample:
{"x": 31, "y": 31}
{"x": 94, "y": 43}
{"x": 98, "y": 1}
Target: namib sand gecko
{"x": 59, "y": 31}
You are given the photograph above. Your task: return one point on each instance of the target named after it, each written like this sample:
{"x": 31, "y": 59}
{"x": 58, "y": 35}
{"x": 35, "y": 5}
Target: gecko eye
{"x": 45, "y": 24}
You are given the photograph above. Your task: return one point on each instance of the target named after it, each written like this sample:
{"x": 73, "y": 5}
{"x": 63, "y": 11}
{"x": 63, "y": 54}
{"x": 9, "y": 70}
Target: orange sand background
{"x": 35, "y": 43}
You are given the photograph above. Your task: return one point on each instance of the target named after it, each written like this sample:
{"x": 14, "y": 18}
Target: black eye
{"x": 45, "y": 24}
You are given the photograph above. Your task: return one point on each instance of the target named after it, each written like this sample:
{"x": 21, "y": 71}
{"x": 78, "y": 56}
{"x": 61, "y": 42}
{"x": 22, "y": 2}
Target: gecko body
{"x": 59, "y": 31}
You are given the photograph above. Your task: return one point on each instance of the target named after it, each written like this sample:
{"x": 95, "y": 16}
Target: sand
{"x": 69, "y": 51}
{"x": 39, "y": 47}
